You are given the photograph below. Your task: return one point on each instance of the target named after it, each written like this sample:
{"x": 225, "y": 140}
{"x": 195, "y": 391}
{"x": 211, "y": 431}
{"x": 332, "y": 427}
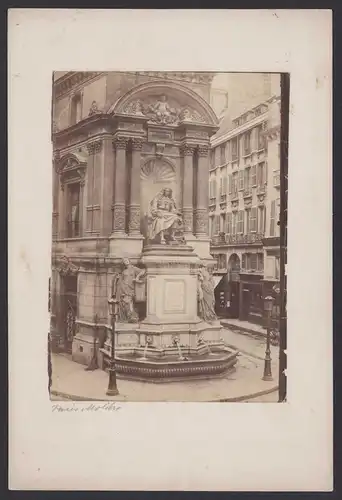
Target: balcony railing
{"x": 237, "y": 239}
{"x": 223, "y": 198}
{"x": 212, "y": 201}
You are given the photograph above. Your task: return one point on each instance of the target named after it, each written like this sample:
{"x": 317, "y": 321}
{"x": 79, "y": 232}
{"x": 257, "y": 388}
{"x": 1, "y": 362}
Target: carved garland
{"x": 66, "y": 267}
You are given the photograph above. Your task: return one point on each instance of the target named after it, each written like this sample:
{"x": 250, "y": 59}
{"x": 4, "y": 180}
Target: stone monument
{"x": 180, "y": 337}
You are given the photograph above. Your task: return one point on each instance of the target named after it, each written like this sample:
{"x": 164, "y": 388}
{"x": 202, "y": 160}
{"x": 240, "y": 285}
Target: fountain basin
{"x": 169, "y": 368}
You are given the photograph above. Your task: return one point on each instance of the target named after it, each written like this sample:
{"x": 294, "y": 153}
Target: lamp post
{"x": 267, "y": 367}
{"x": 112, "y": 387}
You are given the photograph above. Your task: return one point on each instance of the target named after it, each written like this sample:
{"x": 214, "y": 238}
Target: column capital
{"x": 203, "y": 150}
{"x": 94, "y": 147}
{"x": 120, "y": 142}
{"x": 137, "y": 143}
{"x": 187, "y": 149}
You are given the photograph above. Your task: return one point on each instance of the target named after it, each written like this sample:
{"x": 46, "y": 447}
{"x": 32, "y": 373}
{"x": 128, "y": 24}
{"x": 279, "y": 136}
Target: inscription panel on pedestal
{"x": 174, "y": 296}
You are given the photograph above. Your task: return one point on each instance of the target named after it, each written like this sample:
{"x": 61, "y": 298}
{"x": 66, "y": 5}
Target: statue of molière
{"x": 165, "y": 219}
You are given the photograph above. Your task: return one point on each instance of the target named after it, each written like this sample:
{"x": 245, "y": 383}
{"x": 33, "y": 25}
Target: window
{"x": 247, "y": 178}
{"x": 223, "y": 153}
{"x": 217, "y": 224}
{"x": 253, "y": 220}
{"x": 248, "y": 218}
{"x": 240, "y": 179}
{"x": 247, "y": 142}
{"x": 76, "y": 109}
{"x": 73, "y": 210}
{"x": 212, "y": 158}
{"x": 212, "y": 188}
{"x": 229, "y": 223}
{"x": 261, "y": 178}
{"x": 244, "y": 261}
{"x": 253, "y": 261}
{"x": 260, "y": 139}
{"x": 272, "y": 218}
{"x": 224, "y": 185}
{"x": 234, "y": 219}
{"x": 234, "y": 148}
{"x": 253, "y": 176}
{"x": 222, "y": 223}
{"x": 260, "y": 264}
{"x": 261, "y": 219}
{"x": 240, "y": 222}
{"x": 222, "y": 261}
{"x": 235, "y": 183}
{"x": 230, "y": 184}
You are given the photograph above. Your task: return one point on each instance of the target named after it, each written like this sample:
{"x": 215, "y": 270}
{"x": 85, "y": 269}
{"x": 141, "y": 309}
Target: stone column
{"x": 187, "y": 152}
{"x": 119, "y": 206}
{"x": 107, "y": 187}
{"x": 202, "y": 206}
{"x": 134, "y": 203}
{"x": 62, "y": 207}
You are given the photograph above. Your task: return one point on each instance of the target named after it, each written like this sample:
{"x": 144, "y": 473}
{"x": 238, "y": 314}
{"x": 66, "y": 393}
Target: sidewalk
{"x": 70, "y": 381}
{"x": 244, "y": 326}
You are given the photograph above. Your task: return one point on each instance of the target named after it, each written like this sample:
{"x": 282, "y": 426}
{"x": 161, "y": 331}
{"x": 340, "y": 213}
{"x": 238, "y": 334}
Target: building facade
{"x": 118, "y": 139}
{"x": 244, "y": 204}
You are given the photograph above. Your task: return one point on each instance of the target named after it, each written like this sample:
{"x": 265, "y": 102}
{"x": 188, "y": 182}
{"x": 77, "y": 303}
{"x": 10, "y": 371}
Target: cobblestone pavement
{"x": 70, "y": 378}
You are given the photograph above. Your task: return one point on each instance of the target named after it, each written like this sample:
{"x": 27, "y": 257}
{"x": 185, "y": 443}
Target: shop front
{"x": 251, "y": 299}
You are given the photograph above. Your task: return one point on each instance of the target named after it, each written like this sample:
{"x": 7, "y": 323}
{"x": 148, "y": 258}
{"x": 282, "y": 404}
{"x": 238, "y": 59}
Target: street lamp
{"x": 112, "y": 387}
{"x": 267, "y": 367}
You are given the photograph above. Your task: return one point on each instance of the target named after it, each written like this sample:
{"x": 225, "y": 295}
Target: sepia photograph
{"x": 167, "y": 250}
{"x": 170, "y": 246}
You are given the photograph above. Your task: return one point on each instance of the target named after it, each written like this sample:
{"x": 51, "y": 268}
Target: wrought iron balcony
{"x": 244, "y": 239}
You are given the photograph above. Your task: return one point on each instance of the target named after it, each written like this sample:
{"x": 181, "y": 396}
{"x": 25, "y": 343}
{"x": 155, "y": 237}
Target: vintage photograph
{"x": 166, "y": 267}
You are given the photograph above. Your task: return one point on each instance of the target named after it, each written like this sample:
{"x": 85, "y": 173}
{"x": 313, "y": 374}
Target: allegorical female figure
{"x": 123, "y": 289}
{"x": 164, "y": 216}
{"x": 206, "y": 295}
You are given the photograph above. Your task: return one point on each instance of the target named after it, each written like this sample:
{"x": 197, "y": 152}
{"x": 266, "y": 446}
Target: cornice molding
{"x": 72, "y": 79}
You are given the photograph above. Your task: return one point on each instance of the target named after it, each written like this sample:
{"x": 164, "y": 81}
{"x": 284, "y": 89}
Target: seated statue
{"x": 165, "y": 220}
